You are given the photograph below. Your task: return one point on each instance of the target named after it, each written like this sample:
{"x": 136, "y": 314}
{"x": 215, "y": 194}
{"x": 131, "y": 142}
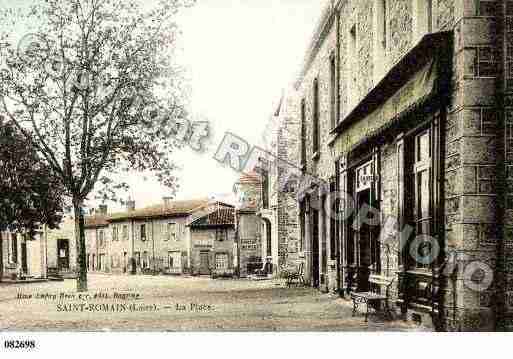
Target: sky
{"x": 239, "y": 56}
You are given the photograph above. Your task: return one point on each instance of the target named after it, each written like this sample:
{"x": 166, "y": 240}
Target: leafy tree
{"x": 94, "y": 87}
{"x": 30, "y": 193}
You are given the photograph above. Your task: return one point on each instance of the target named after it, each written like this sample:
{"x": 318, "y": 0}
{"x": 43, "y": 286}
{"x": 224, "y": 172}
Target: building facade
{"x": 278, "y": 209}
{"x": 23, "y": 256}
{"x": 404, "y": 122}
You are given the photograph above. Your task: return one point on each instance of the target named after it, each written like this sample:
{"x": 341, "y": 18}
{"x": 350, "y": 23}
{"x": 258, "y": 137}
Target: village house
{"x": 168, "y": 238}
{"x": 253, "y": 244}
{"x": 404, "y": 106}
{"x": 212, "y": 246}
{"x": 23, "y": 255}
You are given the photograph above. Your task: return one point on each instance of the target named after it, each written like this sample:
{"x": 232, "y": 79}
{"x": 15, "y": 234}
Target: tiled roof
{"x": 95, "y": 221}
{"x": 223, "y": 216}
{"x": 250, "y": 178}
{"x": 173, "y": 209}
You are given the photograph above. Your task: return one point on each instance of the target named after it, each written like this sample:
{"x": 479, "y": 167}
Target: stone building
{"x": 212, "y": 249}
{"x": 278, "y": 208}
{"x": 157, "y": 239}
{"x": 61, "y": 248}
{"x": 405, "y": 122}
{"x": 23, "y": 255}
{"x": 252, "y": 245}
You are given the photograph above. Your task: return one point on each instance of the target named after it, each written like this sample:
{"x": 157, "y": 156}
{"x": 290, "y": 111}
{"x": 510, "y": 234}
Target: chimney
{"x": 130, "y": 205}
{"x": 102, "y": 208}
{"x": 167, "y": 201}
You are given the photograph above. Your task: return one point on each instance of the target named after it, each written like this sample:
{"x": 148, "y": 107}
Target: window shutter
{"x": 401, "y": 221}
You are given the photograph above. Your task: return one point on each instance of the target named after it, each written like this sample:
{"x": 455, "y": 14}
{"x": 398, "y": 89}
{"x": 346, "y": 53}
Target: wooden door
{"x": 204, "y": 263}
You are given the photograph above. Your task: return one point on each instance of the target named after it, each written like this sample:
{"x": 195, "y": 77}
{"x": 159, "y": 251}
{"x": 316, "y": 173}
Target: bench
{"x": 377, "y": 301}
{"x": 295, "y": 276}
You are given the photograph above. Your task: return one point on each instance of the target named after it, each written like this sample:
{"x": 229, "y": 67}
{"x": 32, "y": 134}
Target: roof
{"x": 250, "y": 178}
{"x": 173, "y": 209}
{"x": 220, "y": 217}
{"x": 96, "y": 221}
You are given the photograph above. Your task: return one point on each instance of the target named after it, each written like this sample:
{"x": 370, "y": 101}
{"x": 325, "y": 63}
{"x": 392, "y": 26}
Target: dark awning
{"x": 414, "y": 80}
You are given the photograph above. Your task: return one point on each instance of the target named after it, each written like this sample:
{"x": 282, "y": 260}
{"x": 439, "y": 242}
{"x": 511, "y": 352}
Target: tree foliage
{"x": 31, "y": 194}
{"x": 94, "y": 86}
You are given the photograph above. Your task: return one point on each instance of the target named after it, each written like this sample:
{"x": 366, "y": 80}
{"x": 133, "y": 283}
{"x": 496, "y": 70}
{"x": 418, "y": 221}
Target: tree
{"x": 31, "y": 194}
{"x": 94, "y": 88}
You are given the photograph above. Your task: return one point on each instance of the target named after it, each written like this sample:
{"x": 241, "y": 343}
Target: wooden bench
{"x": 377, "y": 301}
{"x": 295, "y": 276}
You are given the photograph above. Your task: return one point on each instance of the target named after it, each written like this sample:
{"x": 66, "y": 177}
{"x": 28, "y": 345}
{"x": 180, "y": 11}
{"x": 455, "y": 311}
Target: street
{"x": 164, "y": 303}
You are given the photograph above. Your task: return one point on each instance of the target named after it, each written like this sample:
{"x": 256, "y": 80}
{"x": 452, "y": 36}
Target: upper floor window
{"x": 114, "y": 233}
{"x": 333, "y": 90}
{"x": 221, "y": 234}
{"x": 265, "y": 189}
{"x": 353, "y": 64}
{"x": 381, "y": 34}
{"x": 125, "y": 232}
{"x": 315, "y": 122}
{"x": 101, "y": 238}
{"x": 303, "y": 133}
{"x": 143, "y": 232}
{"x": 171, "y": 232}
{"x": 422, "y": 18}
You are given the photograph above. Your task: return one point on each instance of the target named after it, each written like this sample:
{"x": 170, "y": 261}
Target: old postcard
{"x": 255, "y": 165}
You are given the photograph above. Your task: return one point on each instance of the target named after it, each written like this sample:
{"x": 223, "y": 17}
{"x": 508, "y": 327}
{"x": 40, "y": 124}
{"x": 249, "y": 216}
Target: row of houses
{"x": 402, "y": 107}
{"x": 194, "y": 237}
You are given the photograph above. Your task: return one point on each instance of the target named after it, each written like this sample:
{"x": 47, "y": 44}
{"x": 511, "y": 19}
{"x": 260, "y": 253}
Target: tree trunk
{"x": 81, "y": 248}
{"x": 1, "y": 256}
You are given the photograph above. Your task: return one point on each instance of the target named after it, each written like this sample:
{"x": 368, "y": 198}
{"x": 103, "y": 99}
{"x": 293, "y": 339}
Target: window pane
{"x": 423, "y": 147}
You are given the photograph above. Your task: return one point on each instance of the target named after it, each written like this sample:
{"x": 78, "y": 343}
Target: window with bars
{"x": 221, "y": 261}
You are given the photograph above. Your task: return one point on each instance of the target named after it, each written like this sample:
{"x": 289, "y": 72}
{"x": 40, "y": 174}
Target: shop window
{"x": 315, "y": 122}
{"x": 221, "y": 261}
{"x": 422, "y": 177}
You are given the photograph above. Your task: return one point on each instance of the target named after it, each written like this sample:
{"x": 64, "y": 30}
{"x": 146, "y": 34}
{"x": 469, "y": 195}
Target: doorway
{"x": 63, "y": 254}
{"x": 24, "y": 266}
{"x": 315, "y": 248}
{"x": 204, "y": 263}
{"x": 366, "y": 235}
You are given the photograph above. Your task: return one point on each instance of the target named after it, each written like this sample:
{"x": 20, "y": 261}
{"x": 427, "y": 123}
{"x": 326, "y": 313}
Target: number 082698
{"x": 19, "y": 344}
